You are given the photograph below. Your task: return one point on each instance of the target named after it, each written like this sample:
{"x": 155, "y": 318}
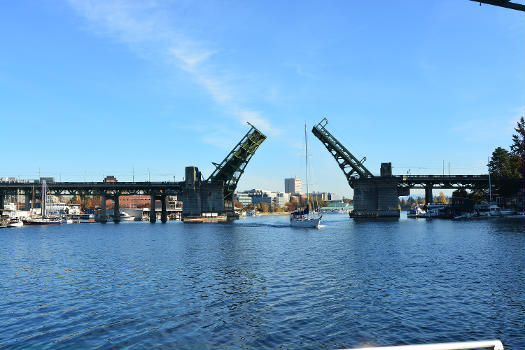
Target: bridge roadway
{"x": 107, "y": 190}
{"x": 443, "y": 181}
{"x": 404, "y": 183}
{"x": 94, "y": 188}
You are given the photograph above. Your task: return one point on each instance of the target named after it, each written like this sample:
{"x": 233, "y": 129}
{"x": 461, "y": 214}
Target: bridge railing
{"x": 486, "y": 344}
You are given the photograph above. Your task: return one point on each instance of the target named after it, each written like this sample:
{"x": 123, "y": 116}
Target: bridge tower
{"x": 374, "y": 196}
{"x": 215, "y": 194}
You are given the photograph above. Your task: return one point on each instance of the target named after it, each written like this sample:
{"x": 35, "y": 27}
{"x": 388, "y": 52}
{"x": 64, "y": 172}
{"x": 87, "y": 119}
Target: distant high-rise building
{"x": 293, "y": 185}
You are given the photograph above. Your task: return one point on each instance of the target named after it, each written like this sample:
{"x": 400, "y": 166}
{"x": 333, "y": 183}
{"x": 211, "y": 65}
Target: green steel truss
{"x": 349, "y": 164}
{"x": 232, "y": 167}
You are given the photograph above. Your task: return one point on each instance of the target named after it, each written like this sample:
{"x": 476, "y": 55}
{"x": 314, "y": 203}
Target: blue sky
{"x": 95, "y": 88}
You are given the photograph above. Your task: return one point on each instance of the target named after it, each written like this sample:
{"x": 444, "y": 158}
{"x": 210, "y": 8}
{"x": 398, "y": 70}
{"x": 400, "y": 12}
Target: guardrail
{"x": 491, "y": 344}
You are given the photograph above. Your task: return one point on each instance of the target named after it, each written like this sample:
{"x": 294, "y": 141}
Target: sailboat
{"x": 304, "y": 218}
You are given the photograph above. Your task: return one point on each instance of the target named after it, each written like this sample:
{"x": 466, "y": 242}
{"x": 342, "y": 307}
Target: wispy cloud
{"x": 496, "y": 128}
{"x": 146, "y": 29}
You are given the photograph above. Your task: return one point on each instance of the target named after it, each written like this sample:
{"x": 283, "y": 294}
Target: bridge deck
{"x": 443, "y": 181}
{"x": 94, "y": 188}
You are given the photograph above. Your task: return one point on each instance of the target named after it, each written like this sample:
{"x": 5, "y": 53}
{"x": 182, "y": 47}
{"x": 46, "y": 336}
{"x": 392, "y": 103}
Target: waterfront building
{"x": 244, "y": 198}
{"x": 262, "y": 198}
{"x": 323, "y": 196}
{"x": 281, "y": 199}
{"x": 293, "y": 185}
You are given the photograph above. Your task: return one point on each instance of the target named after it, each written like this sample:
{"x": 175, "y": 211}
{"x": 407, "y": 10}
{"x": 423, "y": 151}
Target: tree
{"x": 500, "y": 164}
{"x": 265, "y": 207}
{"x": 237, "y": 204}
{"x": 517, "y": 149}
{"x": 441, "y": 198}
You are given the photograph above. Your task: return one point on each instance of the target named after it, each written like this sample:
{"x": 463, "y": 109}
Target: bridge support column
{"x": 164, "y": 213}
{"x": 152, "y": 214}
{"x": 27, "y": 201}
{"x": 103, "y": 215}
{"x": 428, "y": 194}
{"x": 116, "y": 209}
{"x": 2, "y": 199}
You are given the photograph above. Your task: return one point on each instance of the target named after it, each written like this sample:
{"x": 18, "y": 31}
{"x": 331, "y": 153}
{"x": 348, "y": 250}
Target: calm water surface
{"x": 258, "y": 284}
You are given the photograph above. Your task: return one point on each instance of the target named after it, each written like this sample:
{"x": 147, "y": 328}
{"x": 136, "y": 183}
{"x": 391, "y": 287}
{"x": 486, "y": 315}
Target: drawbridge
{"x": 203, "y": 200}
{"x": 214, "y": 195}
{"x": 350, "y": 165}
{"x": 377, "y": 196}
{"x": 232, "y": 167}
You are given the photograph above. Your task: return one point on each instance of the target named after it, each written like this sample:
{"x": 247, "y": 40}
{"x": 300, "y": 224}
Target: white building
{"x": 281, "y": 199}
{"x": 293, "y": 185}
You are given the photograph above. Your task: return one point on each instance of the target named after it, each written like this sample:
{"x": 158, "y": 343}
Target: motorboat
{"x": 434, "y": 210}
{"x": 126, "y": 217}
{"x": 15, "y": 222}
{"x": 416, "y": 212}
{"x": 488, "y": 210}
{"x": 43, "y": 221}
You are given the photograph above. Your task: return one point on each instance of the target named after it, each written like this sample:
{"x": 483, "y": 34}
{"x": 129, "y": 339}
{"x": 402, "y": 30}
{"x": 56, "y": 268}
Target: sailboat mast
{"x": 306, "y": 144}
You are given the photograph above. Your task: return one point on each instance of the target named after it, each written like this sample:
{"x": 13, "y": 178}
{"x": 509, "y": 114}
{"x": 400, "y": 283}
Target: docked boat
{"x": 79, "y": 219}
{"x": 126, "y": 217}
{"x": 303, "y": 218}
{"x": 416, "y": 212}
{"x": 15, "y": 222}
{"x": 488, "y": 210}
{"x": 42, "y": 221}
{"x": 434, "y": 210}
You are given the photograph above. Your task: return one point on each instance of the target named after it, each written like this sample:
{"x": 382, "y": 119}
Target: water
{"x": 260, "y": 284}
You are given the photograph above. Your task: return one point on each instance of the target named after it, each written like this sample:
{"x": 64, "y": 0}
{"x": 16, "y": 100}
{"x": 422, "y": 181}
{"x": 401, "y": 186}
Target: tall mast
{"x": 306, "y": 144}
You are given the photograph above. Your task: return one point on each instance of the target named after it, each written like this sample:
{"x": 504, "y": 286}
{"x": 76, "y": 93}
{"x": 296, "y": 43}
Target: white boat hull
{"x": 15, "y": 224}
{"x": 306, "y": 222}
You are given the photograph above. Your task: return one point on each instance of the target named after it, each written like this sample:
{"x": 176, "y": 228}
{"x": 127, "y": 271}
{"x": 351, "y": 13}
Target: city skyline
{"x": 141, "y": 90}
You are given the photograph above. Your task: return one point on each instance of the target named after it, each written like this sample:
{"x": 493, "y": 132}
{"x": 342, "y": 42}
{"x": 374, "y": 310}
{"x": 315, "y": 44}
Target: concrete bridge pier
{"x": 428, "y": 194}
{"x": 116, "y": 209}
{"x": 152, "y": 215}
{"x": 103, "y": 214}
{"x": 164, "y": 213}
{"x": 27, "y": 201}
